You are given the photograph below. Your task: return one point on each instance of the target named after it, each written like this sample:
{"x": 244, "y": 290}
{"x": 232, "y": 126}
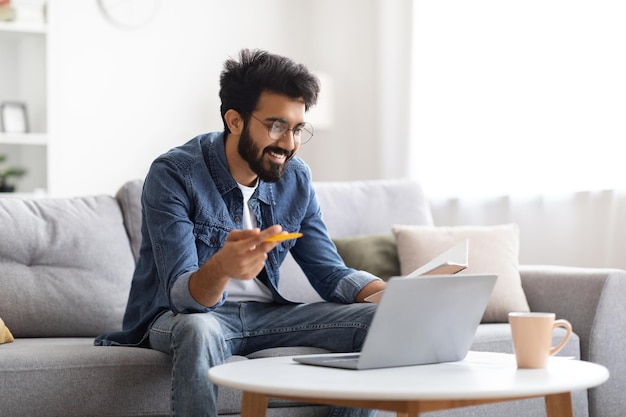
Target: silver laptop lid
{"x": 426, "y": 319}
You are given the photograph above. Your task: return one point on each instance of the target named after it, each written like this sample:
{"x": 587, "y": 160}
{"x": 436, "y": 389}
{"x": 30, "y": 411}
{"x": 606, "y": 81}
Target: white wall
{"x": 118, "y": 98}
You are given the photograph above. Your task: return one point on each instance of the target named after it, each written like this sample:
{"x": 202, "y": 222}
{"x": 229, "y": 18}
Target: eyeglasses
{"x": 277, "y": 130}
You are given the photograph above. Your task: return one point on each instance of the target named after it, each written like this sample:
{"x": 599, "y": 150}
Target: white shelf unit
{"x": 23, "y": 27}
{"x": 23, "y": 78}
{"x": 34, "y": 139}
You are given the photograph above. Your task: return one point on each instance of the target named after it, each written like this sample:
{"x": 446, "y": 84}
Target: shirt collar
{"x": 215, "y": 154}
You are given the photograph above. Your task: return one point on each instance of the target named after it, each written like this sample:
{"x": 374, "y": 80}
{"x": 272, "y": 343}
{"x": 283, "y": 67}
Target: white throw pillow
{"x": 492, "y": 249}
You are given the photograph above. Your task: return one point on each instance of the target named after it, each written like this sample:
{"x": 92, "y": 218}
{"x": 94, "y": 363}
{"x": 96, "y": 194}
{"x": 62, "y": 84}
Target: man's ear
{"x": 234, "y": 121}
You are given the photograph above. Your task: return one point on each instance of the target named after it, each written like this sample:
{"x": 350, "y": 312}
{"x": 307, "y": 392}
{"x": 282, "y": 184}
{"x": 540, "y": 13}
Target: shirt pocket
{"x": 209, "y": 239}
{"x": 286, "y": 245}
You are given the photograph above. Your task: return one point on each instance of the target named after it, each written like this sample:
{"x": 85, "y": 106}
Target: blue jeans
{"x": 199, "y": 341}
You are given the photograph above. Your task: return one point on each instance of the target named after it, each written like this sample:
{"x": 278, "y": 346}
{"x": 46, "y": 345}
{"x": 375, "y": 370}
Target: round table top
{"x": 481, "y": 375}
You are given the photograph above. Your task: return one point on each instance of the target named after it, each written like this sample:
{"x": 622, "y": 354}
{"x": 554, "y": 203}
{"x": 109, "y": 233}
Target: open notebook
{"x": 449, "y": 262}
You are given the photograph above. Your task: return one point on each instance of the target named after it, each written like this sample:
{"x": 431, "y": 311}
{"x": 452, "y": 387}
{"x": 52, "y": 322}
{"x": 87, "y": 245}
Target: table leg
{"x": 253, "y": 405}
{"x": 559, "y": 405}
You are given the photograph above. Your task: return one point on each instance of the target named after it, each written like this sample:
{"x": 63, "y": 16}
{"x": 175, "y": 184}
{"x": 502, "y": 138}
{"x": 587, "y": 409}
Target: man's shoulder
{"x": 295, "y": 182}
{"x": 299, "y": 168}
{"x": 189, "y": 153}
{"x": 193, "y": 147}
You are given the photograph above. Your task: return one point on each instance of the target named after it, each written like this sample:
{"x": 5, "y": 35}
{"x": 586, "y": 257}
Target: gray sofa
{"x": 65, "y": 269}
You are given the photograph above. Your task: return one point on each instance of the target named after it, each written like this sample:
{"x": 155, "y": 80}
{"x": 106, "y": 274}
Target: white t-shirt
{"x": 248, "y": 290}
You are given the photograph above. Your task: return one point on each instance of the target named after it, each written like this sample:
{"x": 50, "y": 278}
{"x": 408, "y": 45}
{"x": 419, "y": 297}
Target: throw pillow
{"x": 5, "y": 334}
{"x": 376, "y": 254}
{"x": 492, "y": 249}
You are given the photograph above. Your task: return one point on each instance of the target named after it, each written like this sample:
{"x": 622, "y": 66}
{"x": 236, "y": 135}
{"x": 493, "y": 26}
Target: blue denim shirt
{"x": 190, "y": 204}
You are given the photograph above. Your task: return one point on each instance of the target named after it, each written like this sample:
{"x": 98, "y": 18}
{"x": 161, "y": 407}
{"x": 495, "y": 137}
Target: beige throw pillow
{"x": 492, "y": 249}
{"x": 5, "y": 334}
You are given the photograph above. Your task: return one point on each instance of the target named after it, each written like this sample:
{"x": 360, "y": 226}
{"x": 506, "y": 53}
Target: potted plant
{"x": 6, "y": 173}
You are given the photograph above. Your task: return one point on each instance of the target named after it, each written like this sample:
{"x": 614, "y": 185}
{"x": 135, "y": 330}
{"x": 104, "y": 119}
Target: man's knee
{"x": 363, "y": 312}
{"x": 199, "y": 329}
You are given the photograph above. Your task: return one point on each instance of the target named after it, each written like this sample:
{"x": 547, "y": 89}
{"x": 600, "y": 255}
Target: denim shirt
{"x": 190, "y": 204}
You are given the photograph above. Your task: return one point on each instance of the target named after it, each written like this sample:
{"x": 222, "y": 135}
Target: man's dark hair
{"x": 243, "y": 81}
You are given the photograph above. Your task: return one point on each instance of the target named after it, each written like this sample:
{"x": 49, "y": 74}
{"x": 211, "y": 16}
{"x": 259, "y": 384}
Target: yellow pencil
{"x": 283, "y": 236}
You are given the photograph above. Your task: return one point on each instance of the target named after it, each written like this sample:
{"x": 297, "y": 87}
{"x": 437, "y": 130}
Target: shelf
{"x": 37, "y": 139}
{"x": 23, "y": 27}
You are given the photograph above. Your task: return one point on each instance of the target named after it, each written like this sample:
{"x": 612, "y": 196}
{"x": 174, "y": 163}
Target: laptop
{"x": 419, "y": 320}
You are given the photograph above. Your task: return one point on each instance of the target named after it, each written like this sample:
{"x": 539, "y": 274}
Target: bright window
{"x": 518, "y": 96}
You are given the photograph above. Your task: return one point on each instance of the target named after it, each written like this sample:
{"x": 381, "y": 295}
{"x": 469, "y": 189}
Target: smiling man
{"x": 268, "y": 164}
{"x": 206, "y": 282}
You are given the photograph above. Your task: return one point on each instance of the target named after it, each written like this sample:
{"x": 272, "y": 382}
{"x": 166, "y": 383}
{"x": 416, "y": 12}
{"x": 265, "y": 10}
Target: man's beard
{"x": 266, "y": 170}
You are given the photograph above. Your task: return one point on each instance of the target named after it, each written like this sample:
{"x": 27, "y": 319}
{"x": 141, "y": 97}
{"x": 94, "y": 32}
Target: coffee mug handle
{"x": 568, "y": 327}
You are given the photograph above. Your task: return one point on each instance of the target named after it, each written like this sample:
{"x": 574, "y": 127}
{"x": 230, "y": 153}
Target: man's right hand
{"x": 244, "y": 253}
{"x": 242, "y": 257}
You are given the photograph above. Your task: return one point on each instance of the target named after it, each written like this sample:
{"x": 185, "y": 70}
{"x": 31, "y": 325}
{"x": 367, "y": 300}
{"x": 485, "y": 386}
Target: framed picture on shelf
{"x": 13, "y": 117}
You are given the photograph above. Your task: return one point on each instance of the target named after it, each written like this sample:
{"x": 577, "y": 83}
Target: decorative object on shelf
{"x": 129, "y": 14}
{"x": 6, "y": 173}
{"x": 13, "y": 117}
{"x": 7, "y": 13}
{"x": 30, "y": 11}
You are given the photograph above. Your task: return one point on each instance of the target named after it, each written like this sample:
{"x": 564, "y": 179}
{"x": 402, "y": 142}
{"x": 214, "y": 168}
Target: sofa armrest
{"x": 592, "y": 299}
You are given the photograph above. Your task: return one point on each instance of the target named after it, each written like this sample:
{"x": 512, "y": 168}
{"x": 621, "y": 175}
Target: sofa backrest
{"x": 368, "y": 207}
{"x": 359, "y": 208}
{"x": 350, "y": 208}
{"x": 129, "y": 199}
{"x": 65, "y": 266}
{"x": 66, "y": 263}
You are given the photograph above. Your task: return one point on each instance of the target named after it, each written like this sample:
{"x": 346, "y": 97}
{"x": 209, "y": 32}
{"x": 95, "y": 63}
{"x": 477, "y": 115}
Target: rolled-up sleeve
{"x": 183, "y": 302}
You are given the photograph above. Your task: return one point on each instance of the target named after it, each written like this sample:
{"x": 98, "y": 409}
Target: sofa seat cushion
{"x": 65, "y": 266}
{"x": 107, "y": 381}
{"x": 131, "y": 381}
{"x": 496, "y": 337}
{"x": 64, "y": 371}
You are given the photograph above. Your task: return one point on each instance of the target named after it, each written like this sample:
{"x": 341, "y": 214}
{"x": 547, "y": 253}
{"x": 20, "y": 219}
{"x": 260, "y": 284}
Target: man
{"x": 206, "y": 281}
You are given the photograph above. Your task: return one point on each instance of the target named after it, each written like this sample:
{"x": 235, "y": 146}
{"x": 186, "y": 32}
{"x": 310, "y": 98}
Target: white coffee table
{"x": 479, "y": 379}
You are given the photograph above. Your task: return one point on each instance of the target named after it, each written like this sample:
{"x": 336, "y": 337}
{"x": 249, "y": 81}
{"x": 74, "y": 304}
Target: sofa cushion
{"x": 105, "y": 381}
{"x": 348, "y": 212}
{"x": 129, "y": 198}
{"x": 376, "y": 254}
{"x": 346, "y": 206}
{"x": 361, "y": 208}
{"x": 358, "y": 208}
{"x": 65, "y": 266}
{"x": 5, "y": 333}
{"x": 492, "y": 249}
{"x": 496, "y": 337}
{"x": 72, "y": 377}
